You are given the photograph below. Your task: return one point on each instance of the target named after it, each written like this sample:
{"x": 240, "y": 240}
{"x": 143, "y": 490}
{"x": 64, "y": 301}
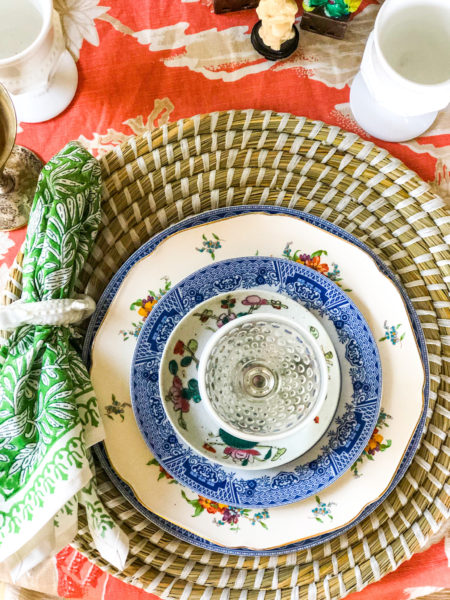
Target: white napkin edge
{"x": 48, "y": 542}
{"x": 34, "y": 528}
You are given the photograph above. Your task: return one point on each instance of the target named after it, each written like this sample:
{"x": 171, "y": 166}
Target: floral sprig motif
{"x": 240, "y": 451}
{"x": 144, "y": 307}
{"x": 314, "y": 261}
{"x": 322, "y": 510}
{"x": 229, "y": 515}
{"x": 228, "y": 304}
{"x": 189, "y": 349}
{"x": 210, "y": 246}
{"x": 392, "y": 333}
{"x": 116, "y": 408}
{"x": 329, "y": 354}
{"x": 179, "y": 395}
{"x": 163, "y": 474}
{"x": 375, "y": 444}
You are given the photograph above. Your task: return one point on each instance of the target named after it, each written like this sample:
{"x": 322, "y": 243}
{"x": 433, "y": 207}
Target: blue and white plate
{"x": 242, "y": 231}
{"x": 356, "y": 415}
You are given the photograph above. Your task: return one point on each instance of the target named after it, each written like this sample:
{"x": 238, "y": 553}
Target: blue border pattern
{"x": 322, "y": 465}
{"x": 208, "y": 217}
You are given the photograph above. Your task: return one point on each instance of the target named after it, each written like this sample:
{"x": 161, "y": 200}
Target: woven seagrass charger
{"x": 250, "y": 157}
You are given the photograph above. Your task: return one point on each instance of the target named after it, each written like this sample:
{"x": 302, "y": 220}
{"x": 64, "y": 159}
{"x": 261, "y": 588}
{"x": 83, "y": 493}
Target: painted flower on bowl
{"x": 205, "y": 315}
{"x": 241, "y": 454}
{"x": 189, "y": 349}
{"x": 225, "y": 318}
{"x": 177, "y": 397}
{"x": 242, "y": 451}
{"x": 209, "y": 448}
{"x": 179, "y": 348}
{"x": 277, "y": 305}
{"x": 228, "y": 303}
{"x": 254, "y": 300}
{"x": 181, "y": 395}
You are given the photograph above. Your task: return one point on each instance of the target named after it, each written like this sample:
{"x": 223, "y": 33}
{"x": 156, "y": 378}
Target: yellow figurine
{"x": 277, "y": 20}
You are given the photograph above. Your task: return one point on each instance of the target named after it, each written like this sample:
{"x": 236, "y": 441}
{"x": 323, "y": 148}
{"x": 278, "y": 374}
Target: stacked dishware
{"x": 262, "y": 370}
{"x": 255, "y": 381}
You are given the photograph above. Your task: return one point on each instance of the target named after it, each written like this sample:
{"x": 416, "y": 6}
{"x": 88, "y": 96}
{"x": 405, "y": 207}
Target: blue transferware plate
{"x": 355, "y": 419}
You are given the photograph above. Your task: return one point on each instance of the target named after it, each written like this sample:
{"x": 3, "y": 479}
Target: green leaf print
{"x": 48, "y": 407}
{"x": 235, "y": 442}
{"x": 173, "y": 367}
{"x": 192, "y": 345}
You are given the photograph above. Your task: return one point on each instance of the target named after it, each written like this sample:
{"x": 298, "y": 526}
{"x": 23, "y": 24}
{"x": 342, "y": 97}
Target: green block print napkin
{"x": 48, "y": 411}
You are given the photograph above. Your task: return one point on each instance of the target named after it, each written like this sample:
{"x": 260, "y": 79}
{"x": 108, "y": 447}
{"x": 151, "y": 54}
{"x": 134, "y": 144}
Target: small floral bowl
{"x": 263, "y": 377}
{"x": 180, "y": 391}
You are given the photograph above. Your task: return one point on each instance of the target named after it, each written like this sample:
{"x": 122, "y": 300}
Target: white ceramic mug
{"x": 405, "y": 70}
{"x": 35, "y": 66}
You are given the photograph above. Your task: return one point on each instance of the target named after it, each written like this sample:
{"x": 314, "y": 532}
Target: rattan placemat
{"x": 249, "y": 157}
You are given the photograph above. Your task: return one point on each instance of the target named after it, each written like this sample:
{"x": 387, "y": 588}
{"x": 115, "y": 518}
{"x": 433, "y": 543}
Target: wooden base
{"x": 224, "y": 6}
{"x": 317, "y": 22}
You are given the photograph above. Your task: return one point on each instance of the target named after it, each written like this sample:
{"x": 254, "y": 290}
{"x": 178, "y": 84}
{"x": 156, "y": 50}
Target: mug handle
{"x": 56, "y": 52}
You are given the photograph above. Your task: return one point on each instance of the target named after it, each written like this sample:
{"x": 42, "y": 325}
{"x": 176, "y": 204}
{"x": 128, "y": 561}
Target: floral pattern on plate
{"x": 377, "y": 443}
{"x": 144, "y": 307}
{"x": 314, "y": 261}
{"x": 229, "y": 515}
{"x": 210, "y": 246}
{"x": 393, "y": 334}
{"x": 116, "y": 408}
{"x": 323, "y": 509}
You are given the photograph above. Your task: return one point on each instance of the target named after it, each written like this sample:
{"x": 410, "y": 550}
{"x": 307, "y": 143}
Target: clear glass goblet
{"x": 19, "y": 170}
{"x": 262, "y": 376}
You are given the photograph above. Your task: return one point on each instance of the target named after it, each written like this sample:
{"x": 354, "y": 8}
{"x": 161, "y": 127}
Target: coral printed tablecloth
{"x": 142, "y": 64}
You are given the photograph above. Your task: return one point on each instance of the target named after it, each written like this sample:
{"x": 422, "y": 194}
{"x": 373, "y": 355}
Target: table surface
{"x": 141, "y": 65}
